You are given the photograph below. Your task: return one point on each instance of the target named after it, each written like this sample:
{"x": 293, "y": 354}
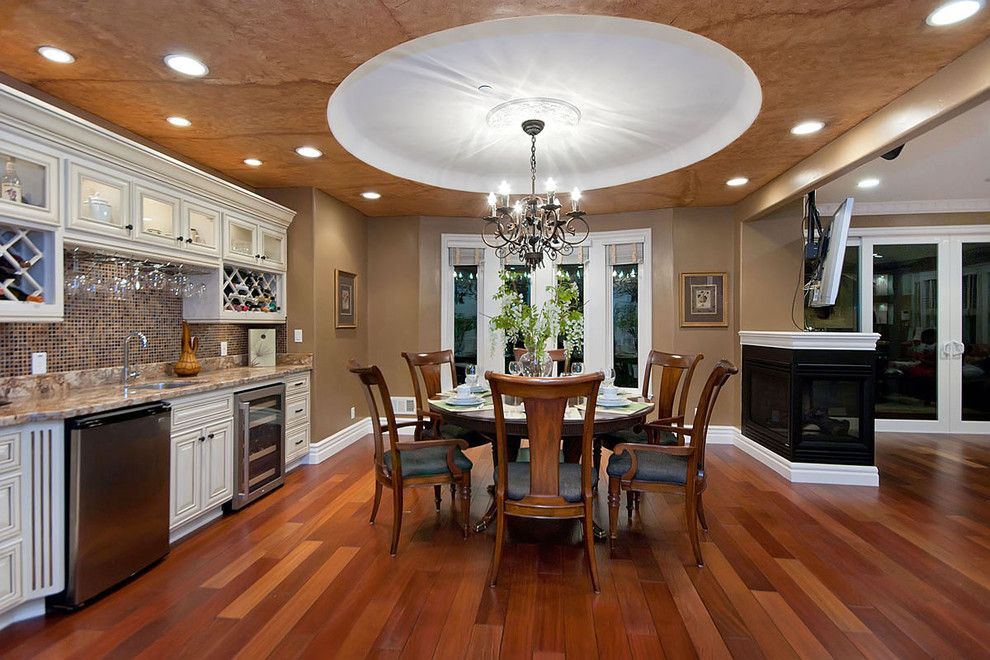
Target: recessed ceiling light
{"x": 309, "y": 152}
{"x": 737, "y": 181}
{"x": 808, "y": 127}
{"x": 253, "y": 162}
{"x": 871, "y": 182}
{"x": 56, "y": 55}
{"x": 953, "y": 11}
{"x": 181, "y": 122}
{"x": 486, "y": 89}
{"x": 371, "y": 195}
{"x": 186, "y": 65}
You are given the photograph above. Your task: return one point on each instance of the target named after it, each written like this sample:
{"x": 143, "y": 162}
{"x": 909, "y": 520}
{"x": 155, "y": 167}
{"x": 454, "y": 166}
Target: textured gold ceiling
{"x": 273, "y": 65}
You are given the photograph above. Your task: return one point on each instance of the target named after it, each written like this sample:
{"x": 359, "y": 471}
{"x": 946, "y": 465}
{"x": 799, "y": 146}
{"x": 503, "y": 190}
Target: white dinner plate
{"x": 617, "y": 402}
{"x": 470, "y": 401}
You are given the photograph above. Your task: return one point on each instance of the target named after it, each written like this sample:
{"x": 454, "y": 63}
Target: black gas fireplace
{"x": 809, "y": 406}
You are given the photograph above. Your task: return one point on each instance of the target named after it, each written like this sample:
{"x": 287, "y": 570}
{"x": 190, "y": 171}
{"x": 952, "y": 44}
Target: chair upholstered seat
{"x": 427, "y": 462}
{"x": 570, "y": 481}
{"x": 651, "y": 466}
{"x": 610, "y": 440}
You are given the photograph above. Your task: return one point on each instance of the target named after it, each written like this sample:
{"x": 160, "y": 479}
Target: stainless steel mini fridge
{"x": 259, "y": 443}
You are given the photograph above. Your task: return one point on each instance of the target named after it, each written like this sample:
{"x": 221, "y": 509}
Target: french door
{"x": 926, "y": 291}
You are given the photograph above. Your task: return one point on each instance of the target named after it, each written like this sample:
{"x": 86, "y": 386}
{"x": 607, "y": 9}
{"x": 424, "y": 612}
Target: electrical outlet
{"x": 39, "y": 363}
{"x": 223, "y": 348}
{"x": 353, "y": 412}
{"x": 297, "y": 335}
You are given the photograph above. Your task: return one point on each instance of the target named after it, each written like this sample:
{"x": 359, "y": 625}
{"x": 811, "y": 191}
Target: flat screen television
{"x": 824, "y": 286}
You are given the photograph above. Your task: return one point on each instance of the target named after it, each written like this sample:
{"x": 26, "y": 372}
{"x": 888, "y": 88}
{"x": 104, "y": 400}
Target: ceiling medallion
{"x": 550, "y": 111}
{"x": 531, "y": 227}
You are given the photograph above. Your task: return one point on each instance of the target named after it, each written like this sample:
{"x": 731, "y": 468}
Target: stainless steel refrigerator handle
{"x": 244, "y": 446}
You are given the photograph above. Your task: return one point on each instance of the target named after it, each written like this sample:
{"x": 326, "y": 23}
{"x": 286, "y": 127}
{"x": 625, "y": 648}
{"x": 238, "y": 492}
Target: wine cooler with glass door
{"x": 260, "y": 438}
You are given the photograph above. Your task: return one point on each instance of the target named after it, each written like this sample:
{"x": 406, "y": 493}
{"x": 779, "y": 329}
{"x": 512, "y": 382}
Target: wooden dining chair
{"x": 410, "y": 464}
{"x": 544, "y": 487}
{"x": 674, "y": 372}
{"x": 657, "y": 468}
{"x": 426, "y": 369}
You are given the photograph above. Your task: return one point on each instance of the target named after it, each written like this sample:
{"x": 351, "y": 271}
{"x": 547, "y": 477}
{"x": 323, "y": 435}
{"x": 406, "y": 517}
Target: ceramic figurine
{"x": 187, "y": 365}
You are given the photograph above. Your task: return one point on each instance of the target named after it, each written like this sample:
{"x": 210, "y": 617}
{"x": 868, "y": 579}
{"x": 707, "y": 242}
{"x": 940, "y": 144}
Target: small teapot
{"x": 99, "y": 208}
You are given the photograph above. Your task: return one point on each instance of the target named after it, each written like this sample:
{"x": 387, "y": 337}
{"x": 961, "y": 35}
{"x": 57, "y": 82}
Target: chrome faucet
{"x": 127, "y": 374}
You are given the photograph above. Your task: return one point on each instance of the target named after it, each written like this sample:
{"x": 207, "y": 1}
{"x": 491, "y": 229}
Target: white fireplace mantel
{"x": 811, "y": 341}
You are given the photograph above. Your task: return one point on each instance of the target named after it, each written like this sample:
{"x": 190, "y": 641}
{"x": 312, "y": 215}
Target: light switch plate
{"x": 297, "y": 335}
{"x": 353, "y": 412}
{"x": 223, "y": 348}
{"x": 39, "y": 363}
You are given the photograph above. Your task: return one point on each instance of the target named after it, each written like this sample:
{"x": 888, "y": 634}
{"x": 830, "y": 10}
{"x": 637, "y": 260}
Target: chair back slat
{"x": 426, "y": 368}
{"x": 378, "y": 399}
{"x": 545, "y": 402}
{"x": 676, "y": 372}
{"x": 721, "y": 372}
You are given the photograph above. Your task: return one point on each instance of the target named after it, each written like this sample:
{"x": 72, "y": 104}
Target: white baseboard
{"x": 802, "y": 473}
{"x": 190, "y": 526}
{"x": 26, "y": 610}
{"x": 327, "y": 447}
{"x": 722, "y": 435}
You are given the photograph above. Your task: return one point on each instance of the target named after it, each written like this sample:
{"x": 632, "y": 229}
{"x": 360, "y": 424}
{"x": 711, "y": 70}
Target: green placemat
{"x": 486, "y": 405}
{"x": 628, "y": 409}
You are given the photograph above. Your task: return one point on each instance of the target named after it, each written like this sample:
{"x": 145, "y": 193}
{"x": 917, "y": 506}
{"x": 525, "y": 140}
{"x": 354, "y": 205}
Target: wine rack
{"x": 250, "y": 291}
{"x": 29, "y": 265}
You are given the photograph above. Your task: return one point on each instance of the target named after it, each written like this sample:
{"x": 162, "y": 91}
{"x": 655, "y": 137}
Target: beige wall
{"x": 770, "y": 264}
{"x": 326, "y": 235}
{"x": 407, "y": 316}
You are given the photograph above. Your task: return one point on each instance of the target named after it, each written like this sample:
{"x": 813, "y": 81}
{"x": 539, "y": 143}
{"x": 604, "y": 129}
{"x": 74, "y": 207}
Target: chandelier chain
{"x": 532, "y": 164}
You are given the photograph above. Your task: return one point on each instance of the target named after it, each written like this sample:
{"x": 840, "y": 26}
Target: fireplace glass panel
{"x": 830, "y": 410}
{"x": 769, "y": 406}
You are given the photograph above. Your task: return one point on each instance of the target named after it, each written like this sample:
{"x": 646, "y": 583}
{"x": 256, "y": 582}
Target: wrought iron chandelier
{"x": 533, "y": 226}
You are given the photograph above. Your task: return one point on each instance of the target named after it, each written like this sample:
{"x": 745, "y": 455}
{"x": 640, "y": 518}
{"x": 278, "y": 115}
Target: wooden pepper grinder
{"x": 187, "y": 365}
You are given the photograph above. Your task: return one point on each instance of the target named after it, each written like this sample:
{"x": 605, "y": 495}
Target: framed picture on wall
{"x": 703, "y": 300}
{"x": 346, "y": 304}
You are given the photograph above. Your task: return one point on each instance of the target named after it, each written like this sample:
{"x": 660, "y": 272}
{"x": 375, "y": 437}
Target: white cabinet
{"x": 32, "y": 514}
{"x": 185, "y": 492}
{"x": 99, "y": 201}
{"x": 30, "y": 174}
{"x": 236, "y": 294}
{"x": 202, "y": 472}
{"x": 253, "y": 242}
{"x": 297, "y": 398}
{"x": 31, "y": 273}
{"x": 201, "y": 228}
{"x": 157, "y": 217}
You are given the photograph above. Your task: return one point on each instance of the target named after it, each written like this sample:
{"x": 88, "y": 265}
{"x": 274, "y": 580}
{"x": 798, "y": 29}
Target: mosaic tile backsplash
{"x": 94, "y": 328}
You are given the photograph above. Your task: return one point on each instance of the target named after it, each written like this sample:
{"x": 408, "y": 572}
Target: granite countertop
{"x": 98, "y": 398}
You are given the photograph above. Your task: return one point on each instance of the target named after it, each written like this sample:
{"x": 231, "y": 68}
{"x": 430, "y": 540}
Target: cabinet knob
{"x": 257, "y": 256}
{"x": 129, "y": 227}
{"x": 263, "y": 257}
{"x": 188, "y": 240}
{"x": 210, "y": 436}
{"x": 180, "y": 239}
{"x": 201, "y": 438}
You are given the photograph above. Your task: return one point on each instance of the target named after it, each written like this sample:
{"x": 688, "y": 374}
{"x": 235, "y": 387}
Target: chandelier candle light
{"x": 532, "y": 226}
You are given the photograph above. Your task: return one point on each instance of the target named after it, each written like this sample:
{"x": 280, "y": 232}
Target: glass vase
{"x": 536, "y": 364}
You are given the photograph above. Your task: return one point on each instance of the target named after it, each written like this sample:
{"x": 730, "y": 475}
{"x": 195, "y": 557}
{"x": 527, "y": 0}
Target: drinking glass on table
{"x": 471, "y": 375}
{"x": 609, "y": 374}
{"x": 515, "y": 368}
{"x": 577, "y": 368}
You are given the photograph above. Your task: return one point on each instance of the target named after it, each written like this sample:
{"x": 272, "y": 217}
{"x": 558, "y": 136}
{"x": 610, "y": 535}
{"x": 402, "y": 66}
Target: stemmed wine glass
{"x": 609, "y": 374}
{"x": 577, "y": 368}
{"x": 515, "y": 368}
{"x": 471, "y": 375}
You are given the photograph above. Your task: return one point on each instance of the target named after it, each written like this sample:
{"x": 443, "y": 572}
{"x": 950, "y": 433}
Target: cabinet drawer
{"x": 297, "y": 384}
{"x": 196, "y": 411}
{"x": 10, "y": 575}
{"x": 296, "y": 442}
{"x": 296, "y": 411}
{"x": 10, "y": 451}
{"x": 10, "y": 508}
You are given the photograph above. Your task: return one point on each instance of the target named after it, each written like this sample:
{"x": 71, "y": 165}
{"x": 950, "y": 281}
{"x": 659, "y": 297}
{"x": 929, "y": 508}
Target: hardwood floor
{"x": 792, "y": 571}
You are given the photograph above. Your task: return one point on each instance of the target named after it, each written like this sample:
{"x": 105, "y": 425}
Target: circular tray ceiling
{"x": 623, "y": 100}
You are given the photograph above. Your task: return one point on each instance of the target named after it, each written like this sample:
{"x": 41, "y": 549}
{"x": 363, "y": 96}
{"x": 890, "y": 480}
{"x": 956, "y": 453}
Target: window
{"x": 612, "y": 273}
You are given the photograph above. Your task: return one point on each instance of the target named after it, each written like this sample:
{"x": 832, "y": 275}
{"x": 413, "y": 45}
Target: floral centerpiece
{"x": 561, "y": 316}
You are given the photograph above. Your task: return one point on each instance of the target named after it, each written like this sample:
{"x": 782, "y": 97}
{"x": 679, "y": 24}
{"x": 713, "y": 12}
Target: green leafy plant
{"x": 560, "y": 316}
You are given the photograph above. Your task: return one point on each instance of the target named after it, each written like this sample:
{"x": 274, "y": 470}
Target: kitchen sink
{"x": 164, "y": 385}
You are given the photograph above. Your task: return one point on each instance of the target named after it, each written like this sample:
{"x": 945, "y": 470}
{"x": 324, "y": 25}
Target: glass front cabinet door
{"x": 201, "y": 228}
{"x": 158, "y": 217}
{"x": 240, "y": 239}
{"x": 98, "y": 201}
{"x": 29, "y": 182}
{"x": 272, "y": 247}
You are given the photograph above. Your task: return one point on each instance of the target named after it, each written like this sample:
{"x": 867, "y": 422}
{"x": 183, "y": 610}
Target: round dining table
{"x": 481, "y": 419}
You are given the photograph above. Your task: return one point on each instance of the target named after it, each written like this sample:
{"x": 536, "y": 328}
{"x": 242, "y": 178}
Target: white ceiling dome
{"x": 623, "y": 100}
